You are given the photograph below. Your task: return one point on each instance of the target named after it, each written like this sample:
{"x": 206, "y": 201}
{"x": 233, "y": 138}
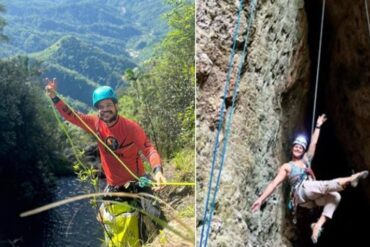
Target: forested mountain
{"x": 83, "y": 43}
{"x": 161, "y": 91}
{"x": 83, "y": 65}
{"x": 117, "y": 27}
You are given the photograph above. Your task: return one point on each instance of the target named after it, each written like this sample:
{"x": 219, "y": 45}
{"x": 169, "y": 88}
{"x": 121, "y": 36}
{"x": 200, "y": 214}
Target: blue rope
{"x": 220, "y": 119}
{"x": 228, "y": 126}
{"x": 221, "y": 116}
{"x": 231, "y": 113}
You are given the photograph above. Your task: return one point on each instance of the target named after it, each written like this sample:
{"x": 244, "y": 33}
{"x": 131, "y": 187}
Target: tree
{"x": 163, "y": 87}
{"x": 28, "y": 144}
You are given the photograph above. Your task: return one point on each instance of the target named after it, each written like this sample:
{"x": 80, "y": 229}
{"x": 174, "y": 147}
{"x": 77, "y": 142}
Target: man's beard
{"x": 110, "y": 120}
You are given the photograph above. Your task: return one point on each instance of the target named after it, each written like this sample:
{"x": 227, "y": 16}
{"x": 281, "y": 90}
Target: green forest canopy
{"x": 161, "y": 92}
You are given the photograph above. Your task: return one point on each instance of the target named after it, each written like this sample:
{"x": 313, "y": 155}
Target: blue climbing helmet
{"x": 102, "y": 93}
{"x": 301, "y": 140}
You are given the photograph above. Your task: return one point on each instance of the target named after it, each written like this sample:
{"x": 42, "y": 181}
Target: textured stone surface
{"x": 271, "y": 105}
{"x": 273, "y": 88}
{"x": 348, "y": 93}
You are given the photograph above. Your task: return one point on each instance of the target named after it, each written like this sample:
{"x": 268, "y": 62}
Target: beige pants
{"x": 320, "y": 193}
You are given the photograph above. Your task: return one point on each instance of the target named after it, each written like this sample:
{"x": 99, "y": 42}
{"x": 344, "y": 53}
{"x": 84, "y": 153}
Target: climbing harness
{"x": 210, "y": 205}
{"x": 292, "y": 204}
{"x": 299, "y": 179}
{"x": 318, "y": 65}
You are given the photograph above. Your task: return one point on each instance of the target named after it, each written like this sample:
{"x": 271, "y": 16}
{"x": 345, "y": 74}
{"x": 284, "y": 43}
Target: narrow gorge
{"x": 274, "y": 103}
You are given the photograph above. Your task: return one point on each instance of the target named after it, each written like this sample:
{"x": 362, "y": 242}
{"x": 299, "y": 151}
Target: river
{"x": 73, "y": 224}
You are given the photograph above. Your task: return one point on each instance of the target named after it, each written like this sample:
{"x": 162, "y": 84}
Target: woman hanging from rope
{"x": 305, "y": 190}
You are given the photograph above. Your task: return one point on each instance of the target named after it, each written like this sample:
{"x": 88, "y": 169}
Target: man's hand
{"x": 51, "y": 87}
{"x": 320, "y": 120}
{"x": 159, "y": 179}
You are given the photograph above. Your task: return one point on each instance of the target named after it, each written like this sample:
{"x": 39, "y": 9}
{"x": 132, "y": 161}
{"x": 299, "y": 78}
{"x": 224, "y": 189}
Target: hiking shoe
{"x": 358, "y": 176}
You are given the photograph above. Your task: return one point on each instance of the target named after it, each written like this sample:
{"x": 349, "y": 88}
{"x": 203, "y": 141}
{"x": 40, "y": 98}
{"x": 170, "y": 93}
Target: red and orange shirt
{"x": 126, "y": 138}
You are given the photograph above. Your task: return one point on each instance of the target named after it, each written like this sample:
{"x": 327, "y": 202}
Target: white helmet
{"x": 301, "y": 140}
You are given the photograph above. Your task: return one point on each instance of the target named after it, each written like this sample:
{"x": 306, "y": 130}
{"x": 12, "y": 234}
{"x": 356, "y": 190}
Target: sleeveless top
{"x": 298, "y": 174}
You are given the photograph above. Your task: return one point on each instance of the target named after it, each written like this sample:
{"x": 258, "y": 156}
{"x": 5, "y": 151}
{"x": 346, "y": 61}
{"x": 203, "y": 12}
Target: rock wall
{"x": 271, "y": 102}
{"x": 348, "y": 92}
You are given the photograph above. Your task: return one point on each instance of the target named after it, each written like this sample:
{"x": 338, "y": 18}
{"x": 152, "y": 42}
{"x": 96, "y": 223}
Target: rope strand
{"x": 318, "y": 65}
{"x": 220, "y": 120}
{"x": 367, "y": 16}
{"x": 116, "y": 157}
{"x": 209, "y": 213}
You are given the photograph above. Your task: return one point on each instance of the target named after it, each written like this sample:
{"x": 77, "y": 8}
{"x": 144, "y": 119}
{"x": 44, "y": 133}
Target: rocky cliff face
{"x": 348, "y": 90}
{"x": 271, "y": 100}
{"x": 273, "y": 104}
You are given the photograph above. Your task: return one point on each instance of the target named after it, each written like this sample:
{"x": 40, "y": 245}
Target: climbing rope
{"x": 318, "y": 65}
{"x": 142, "y": 179}
{"x": 220, "y": 121}
{"x": 367, "y": 16}
{"x": 100, "y": 140}
{"x": 210, "y": 207}
{"x": 188, "y": 237}
{"x": 142, "y": 182}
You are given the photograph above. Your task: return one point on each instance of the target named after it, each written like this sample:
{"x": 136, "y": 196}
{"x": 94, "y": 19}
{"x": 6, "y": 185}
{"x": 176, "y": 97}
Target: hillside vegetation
{"x": 114, "y": 26}
{"x": 84, "y": 43}
{"x": 159, "y": 94}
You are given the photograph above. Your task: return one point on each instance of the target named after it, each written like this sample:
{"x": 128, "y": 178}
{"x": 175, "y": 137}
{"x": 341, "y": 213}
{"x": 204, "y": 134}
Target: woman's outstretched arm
{"x": 280, "y": 177}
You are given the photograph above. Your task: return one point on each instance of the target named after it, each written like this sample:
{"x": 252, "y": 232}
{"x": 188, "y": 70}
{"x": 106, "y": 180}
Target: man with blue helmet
{"x": 123, "y": 136}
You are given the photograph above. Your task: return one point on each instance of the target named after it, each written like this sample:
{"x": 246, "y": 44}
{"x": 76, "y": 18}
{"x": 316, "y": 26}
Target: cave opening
{"x": 348, "y": 226}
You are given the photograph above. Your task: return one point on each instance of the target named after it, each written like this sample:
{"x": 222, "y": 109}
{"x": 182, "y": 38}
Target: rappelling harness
{"x": 295, "y": 182}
